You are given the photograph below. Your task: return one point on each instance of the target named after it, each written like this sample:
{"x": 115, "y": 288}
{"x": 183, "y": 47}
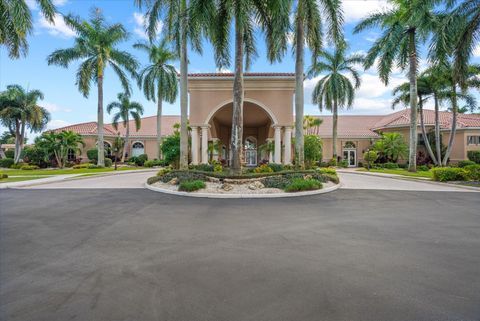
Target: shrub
{"x": 403, "y": 165}
{"x": 474, "y": 156}
{"x": 108, "y": 162}
{"x": 312, "y": 149}
{"x": 464, "y": 163}
{"x": 332, "y": 178}
{"x": 29, "y": 167}
{"x": 17, "y": 166}
{"x": 154, "y": 162}
{"x": 370, "y": 157}
{"x": 164, "y": 171}
{"x": 423, "y": 168}
{"x": 191, "y": 186}
{"x": 298, "y": 184}
{"x": 263, "y": 169}
{"x": 360, "y": 164}
{"x": 10, "y": 153}
{"x": 391, "y": 166}
{"x": 276, "y": 167}
{"x": 36, "y": 156}
{"x": 323, "y": 164}
{"x": 445, "y": 174}
{"x": 203, "y": 167}
{"x": 182, "y": 176}
{"x": 80, "y": 166}
{"x": 332, "y": 162}
{"x": 218, "y": 168}
{"x": 473, "y": 171}
{"x": 92, "y": 155}
{"x": 343, "y": 163}
{"x": 171, "y": 149}
{"x": 138, "y": 160}
{"x": 3, "y": 176}
{"x": 6, "y": 162}
{"x": 328, "y": 170}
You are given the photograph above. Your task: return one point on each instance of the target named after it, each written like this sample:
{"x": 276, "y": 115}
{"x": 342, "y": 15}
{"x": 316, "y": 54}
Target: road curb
{"x": 243, "y": 196}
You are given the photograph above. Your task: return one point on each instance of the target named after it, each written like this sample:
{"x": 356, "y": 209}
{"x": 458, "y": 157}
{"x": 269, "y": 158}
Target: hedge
{"x": 473, "y": 171}
{"x": 297, "y": 185}
{"x": 445, "y": 174}
{"x": 474, "y": 156}
{"x": 191, "y": 186}
{"x": 464, "y": 163}
{"x": 6, "y": 162}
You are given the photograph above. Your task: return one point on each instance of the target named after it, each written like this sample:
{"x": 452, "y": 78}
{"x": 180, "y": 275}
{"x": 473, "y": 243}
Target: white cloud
{"x": 223, "y": 70}
{"x": 476, "y": 52}
{"x": 58, "y": 28}
{"x": 55, "y": 108}
{"x": 140, "y": 23}
{"x": 355, "y": 10}
{"x": 33, "y": 5}
{"x": 57, "y": 123}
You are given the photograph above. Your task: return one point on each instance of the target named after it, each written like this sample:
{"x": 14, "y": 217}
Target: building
{"x": 268, "y": 117}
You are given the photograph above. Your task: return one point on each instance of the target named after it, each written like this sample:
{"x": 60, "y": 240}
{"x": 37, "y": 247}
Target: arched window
{"x": 71, "y": 155}
{"x": 250, "y": 148}
{"x": 138, "y": 149}
{"x": 349, "y": 144}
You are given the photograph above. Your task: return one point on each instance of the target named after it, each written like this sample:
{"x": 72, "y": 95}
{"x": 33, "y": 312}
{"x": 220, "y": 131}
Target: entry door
{"x": 251, "y": 157}
{"x": 350, "y": 155}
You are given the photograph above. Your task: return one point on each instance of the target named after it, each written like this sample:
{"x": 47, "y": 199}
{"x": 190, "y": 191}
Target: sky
{"x": 68, "y": 106}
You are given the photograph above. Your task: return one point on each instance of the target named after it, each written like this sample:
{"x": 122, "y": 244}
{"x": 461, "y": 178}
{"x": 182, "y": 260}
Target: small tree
{"x": 171, "y": 149}
{"x": 59, "y": 144}
{"x": 370, "y": 157}
{"x": 312, "y": 149}
{"x": 391, "y": 147}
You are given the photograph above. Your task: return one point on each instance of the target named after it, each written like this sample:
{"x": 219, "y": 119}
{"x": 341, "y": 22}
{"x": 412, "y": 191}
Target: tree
{"x": 313, "y": 150}
{"x": 117, "y": 145}
{"x": 391, "y": 147}
{"x": 311, "y": 124}
{"x": 308, "y": 30}
{"x": 7, "y": 138}
{"x": 180, "y": 28}
{"x": 16, "y": 24}
{"x": 171, "y": 149}
{"x": 335, "y": 90}
{"x": 125, "y": 108}
{"x": 96, "y": 47}
{"x": 407, "y": 25}
{"x": 159, "y": 79}
{"x": 217, "y": 16}
{"x": 370, "y": 156}
{"x": 19, "y": 111}
{"x": 59, "y": 144}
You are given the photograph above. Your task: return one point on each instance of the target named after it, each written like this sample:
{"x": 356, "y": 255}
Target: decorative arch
{"x": 250, "y": 100}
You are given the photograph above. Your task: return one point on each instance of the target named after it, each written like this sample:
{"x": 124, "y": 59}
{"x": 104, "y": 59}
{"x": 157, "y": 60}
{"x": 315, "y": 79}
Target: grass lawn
{"x": 18, "y": 179}
{"x": 46, "y": 172}
{"x": 400, "y": 171}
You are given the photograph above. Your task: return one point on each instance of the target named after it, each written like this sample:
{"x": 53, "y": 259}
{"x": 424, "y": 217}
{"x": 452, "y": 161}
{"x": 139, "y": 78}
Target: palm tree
{"x": 180, "y": 28}
{"x": 406, "y": 26}
{"x": 118, "y": 144}
{"x": 126, "y": 108}
{"x": 59, "y": 144}
{"x": 19, "y": 110}
{"x": 16, "y": 24}
{"x": 391, "y": 147}
{"x": 335, "y": 90}
{"x": 311, "y": 124}
{"x": 96, "y": 46}
{"x": 308, "y": 29}
{"x": 246, "y": 15}
{"x": 159, "y": 79}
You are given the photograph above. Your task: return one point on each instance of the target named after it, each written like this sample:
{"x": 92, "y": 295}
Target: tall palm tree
{"x": 308, "y": 30}
{"x": 96, "y": 47}
{"x": 125, "y": 108}
{"x": 16, "y": 24}
{"x": 269, "y": 16}
{"x": 19, "y": 110}
{"x": 159, "y": 79}
{"x": 335, "y": 90}
{"x": 180, "y": 28}
{"x": 407, "y": 25}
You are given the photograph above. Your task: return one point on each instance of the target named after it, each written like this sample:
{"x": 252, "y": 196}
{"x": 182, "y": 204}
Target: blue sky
{"x": 68, "y": 106}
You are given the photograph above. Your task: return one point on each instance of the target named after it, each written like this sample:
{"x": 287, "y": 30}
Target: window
{"x": 71, "y": 155}
{"x": 473, "y": 140}
{"x": 138, "y": 149}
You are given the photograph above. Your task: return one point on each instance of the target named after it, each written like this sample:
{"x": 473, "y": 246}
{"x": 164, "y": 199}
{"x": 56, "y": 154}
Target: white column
{"x": 278, "y": 144}
{"x": 205, "y": 144}
{"x": 194, "y": 145}
{"x": 287, "y": 140}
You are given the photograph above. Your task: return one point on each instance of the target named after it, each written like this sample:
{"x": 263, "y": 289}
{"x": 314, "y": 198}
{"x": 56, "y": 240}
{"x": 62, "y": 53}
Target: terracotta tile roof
{"x": 349, "y": 126}
{"x": 89, "y": 128}
{"x": 246, "y": 74}
{"x": 149, "y": 126}
{"x": 402, "y": 118}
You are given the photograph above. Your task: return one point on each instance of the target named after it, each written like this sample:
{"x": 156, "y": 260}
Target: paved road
{"x": 133, "y": 254}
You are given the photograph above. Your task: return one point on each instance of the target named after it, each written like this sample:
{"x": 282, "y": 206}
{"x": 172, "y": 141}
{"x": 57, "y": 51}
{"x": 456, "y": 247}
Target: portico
{"x": 267, "y": 117}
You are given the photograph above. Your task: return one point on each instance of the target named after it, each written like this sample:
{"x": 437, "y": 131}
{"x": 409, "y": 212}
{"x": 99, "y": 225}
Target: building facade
{"x": 268, "y": 118}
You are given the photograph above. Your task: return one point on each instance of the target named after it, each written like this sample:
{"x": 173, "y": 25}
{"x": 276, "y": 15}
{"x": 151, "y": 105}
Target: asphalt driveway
{"x": 132, "y": 254}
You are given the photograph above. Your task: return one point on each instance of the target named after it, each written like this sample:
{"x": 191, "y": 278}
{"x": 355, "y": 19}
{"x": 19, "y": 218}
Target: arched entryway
{"x": 138, "y": 149}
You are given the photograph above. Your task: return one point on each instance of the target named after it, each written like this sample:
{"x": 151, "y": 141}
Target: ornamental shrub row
{"x": 445, "y": 174}
{"x": 191, "y": 186}
{"x": 6, "y": 162}
{"x": 474, "y": 156}
{"x": 298, "y": 184}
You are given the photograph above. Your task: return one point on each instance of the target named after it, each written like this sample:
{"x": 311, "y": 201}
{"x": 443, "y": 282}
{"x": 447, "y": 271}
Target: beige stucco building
{"x": 268, "y": 117}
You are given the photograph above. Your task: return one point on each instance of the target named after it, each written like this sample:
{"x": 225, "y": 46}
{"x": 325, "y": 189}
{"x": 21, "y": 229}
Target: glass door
{"x": 350, "y": 155}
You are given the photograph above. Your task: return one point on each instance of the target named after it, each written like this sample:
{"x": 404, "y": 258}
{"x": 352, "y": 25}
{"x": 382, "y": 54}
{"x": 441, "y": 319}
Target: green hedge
{"x": 474, "y": 156}
{"x": 298, "y": 184}
{"x": 29, "y": 167}
{"x": 473, "y": 171}
{"x": 464, "y": 163}
{"x": 191, "y": 186}
{"x": 6, "y": 162}
{"x": 445, "y": 174}
{"x": 3, "y": 176}
{"x": 155, "y": 162}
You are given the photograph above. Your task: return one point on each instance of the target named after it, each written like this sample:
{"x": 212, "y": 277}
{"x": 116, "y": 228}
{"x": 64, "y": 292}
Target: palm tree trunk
{"x": 183, "y": 88}
{"x": 18, "y": 137}
{"x": 334, "y": 129}
{"x": 159, "y": 123}
{"x": 101, "y": 152}
{"x": 299, "y": 66}
{"x": 412, "y": 158}
{"x": 127, "y": 139}
{"x": 454, "y": 124}
{"x": 438, "y": 143}
{"x": 237, "y": 112}
{"x": 424, "y": 133}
